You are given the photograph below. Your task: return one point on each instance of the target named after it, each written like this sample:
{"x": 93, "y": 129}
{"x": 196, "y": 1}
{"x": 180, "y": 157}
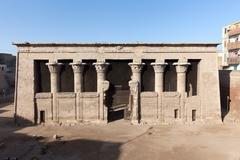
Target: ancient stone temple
{"x": 104, "y": 82}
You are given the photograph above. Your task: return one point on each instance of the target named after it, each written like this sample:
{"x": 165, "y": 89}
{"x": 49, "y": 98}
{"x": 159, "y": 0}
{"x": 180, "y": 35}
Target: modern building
{"x": 231, "y": 46}
{"x": 103, "y": 82}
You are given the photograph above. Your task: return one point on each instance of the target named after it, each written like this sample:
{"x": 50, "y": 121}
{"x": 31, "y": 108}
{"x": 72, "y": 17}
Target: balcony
{"x": 234, "y": 32}
{"x": 233, "y": 45}
{"x": 233, "y": 60}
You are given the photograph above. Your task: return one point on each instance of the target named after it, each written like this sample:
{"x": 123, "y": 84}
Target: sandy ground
{"x": 117, "y": 141}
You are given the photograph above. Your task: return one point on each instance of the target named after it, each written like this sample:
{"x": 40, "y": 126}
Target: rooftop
{"x": 28, "y": 44}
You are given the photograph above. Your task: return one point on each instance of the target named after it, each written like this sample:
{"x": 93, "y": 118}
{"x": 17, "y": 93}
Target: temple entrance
{"x": 117, "y": 99}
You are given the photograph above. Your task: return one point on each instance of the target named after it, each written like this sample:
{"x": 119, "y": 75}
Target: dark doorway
{"x": 175, "y": 113}
{"x": 117, "y": 99}
{"x": 194, "y": 115}
{"x": 42, "y": 117}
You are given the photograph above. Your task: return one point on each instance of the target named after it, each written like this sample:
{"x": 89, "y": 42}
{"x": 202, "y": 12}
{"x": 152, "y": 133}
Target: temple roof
{"x": 28, "y": 44}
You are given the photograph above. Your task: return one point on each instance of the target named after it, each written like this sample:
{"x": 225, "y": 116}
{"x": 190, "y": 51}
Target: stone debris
{"x": 37, "y": 138}
{"x": 55, "y": 137}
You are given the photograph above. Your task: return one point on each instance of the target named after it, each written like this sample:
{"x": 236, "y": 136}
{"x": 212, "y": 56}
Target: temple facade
{"x": 153, "y": 83}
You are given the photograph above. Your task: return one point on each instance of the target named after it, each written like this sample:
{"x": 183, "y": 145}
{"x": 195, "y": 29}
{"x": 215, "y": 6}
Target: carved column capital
{"x": 181, "y": 67}
{"x": 159, "y": 67}
{"x": 136, "y": 67}
{"x": 54, "y": 67}
{"x": 101, "y": 67}
{"x": 77, "y": 67}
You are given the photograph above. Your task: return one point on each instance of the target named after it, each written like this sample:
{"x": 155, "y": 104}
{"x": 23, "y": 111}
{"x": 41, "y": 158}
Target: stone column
{"x": 136, "y": 71}
{"x": 54, "y": 69}
{"x": 102, "y": 87}
{"x": 78, "y": 83}
{"x": 159, "y": 71}
{"x": 181, "y": 69}
{"x": 101, "y": 68}
{"x": 78, "y": 75}
{"x": 135, "y": 88}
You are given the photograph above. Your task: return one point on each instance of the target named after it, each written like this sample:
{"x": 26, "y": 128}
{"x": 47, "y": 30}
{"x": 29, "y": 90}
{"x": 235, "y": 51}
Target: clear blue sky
{"x": 114, "y": 20}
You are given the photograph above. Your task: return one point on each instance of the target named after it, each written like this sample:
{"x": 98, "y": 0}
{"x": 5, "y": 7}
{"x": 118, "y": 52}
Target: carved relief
{"x": 105, "y": 86}
{"x": 134, "y": 89}
{"x": 117, "y": 49}
{"x": 103, "y": 108}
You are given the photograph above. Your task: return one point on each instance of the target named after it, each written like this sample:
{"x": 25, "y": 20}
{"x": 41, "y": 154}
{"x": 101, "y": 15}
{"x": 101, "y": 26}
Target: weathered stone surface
{"x": 149, "y": 107}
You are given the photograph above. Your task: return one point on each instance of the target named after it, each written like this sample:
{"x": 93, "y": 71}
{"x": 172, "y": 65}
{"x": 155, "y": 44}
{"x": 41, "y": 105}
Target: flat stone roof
{"x": 27, "y": 44}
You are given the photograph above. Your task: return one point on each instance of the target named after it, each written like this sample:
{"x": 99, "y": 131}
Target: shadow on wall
{"x": 16, "y": 145}
{"x": 224, "y": 80}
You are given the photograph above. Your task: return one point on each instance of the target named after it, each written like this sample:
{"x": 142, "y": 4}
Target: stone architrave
{"x": 54, "y": 69}
{"x": 78, "y": 84}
